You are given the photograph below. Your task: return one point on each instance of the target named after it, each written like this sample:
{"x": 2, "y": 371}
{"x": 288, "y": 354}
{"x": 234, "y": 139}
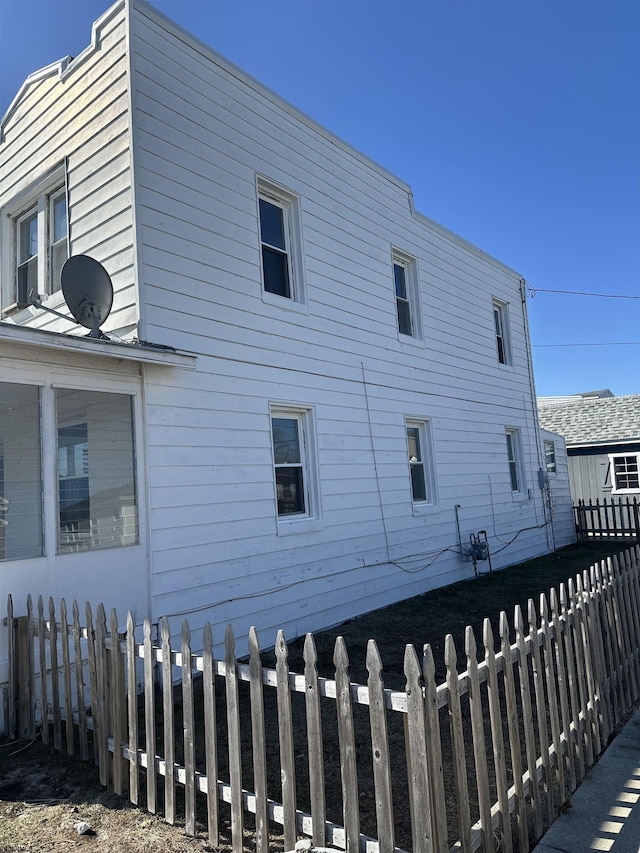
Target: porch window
{"x": 21, "y": 520}
{"x": 97, "y": 506}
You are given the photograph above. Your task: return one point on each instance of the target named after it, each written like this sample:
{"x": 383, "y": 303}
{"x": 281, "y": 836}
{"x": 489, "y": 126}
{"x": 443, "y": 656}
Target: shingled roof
{"x": 590, "y": 421}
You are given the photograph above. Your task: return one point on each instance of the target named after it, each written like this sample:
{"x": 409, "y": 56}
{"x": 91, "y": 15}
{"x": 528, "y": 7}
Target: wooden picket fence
{"x": 485, "y": 759}
{"x": 613, "y": 519}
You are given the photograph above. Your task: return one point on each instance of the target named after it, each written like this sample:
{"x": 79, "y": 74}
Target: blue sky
{"x": 516, "y": 122}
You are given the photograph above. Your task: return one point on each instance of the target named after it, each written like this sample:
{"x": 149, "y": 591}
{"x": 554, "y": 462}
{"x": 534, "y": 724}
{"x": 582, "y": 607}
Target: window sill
{"x": 520, "y": 497}
{"x": 284, "y": 302}
{"x": 425, "y": 509}
{"x": 293, "y": 526}
{"x": 409, "y": 340}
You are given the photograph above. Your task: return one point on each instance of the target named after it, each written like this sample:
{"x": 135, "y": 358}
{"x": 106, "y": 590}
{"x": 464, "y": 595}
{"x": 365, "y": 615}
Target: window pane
{"x": 550, "y": 456}
{"x": 418, "y": 484}
{"x": 96, "y": 471}
{"x": 59, "y": 254}
{"x": 289, "y": 491}
{"x": 286, "y": 443}
{"x": 28, "y": 240}
{"x": 413, "y": 439}
{"x": 513, "y": 465}
{"x": 27, "y": 280}
{"x": 276, "y": 272}
{"x": 400, "y": 281}
{"x": 59, "y": 217}
{"x": 404, "y": 317}
{"x": 21, "y": 533}
{"x": 272, "y": 224}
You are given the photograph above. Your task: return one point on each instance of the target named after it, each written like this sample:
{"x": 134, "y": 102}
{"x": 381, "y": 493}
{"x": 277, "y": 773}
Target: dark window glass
{"x": 276, "y": 272}
{"x": 400, "y": 281}
{"x": 272, "y": 224}
{"x": 416, "y": 465}
{"x": 286, "y": 443}
{"x": 513, "y": 465}
{"x": 289, "y": 490}
{"x": 402, "y": 302}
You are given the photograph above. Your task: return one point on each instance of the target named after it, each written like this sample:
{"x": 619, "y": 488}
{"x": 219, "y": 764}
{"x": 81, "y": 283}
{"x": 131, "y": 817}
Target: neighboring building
{"x": 602, "y": 433}
{"x": 333, "y": 379}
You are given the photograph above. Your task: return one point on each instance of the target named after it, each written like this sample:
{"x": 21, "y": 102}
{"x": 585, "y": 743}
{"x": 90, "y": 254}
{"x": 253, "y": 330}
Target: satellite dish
{"x": 88, "y": 292}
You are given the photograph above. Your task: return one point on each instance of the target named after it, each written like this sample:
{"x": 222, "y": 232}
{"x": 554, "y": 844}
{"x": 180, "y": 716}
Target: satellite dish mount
{"x": 88, "y": 292}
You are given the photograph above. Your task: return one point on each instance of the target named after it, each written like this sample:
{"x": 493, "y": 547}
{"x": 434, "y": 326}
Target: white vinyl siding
{"x": 75, "y": 113}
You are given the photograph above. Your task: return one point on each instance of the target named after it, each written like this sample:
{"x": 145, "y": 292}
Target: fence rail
{"x": 490, "y": 753}
{"x": 615, "y": 519}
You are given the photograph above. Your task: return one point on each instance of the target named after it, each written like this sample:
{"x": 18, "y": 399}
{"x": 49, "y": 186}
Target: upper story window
{"x": 280, "y": 242}
{"x": 501, "y": 323}
{"x": 550, "y": 456}
{"x": 405, "y": 280}
{"x": 626, "y": 472}
{"x": 35, "y": 243}
{"x": 515, "y": 460}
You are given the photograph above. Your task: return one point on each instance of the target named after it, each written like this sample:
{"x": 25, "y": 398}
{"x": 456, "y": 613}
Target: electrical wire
{"x": 533, "y": 290}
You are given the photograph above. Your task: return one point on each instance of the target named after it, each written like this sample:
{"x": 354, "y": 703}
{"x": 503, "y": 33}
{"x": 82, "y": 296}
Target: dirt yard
{"x": 44, "y": 794}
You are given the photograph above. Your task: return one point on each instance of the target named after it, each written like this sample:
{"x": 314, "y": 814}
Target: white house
{"x": 311, "y": 394}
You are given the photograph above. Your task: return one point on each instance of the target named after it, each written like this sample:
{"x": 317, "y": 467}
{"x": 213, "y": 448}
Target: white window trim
{"x": 502, "y": 308}
{"x": 290, "y": 204}
{"x": 516, "y": 443}
{"x": 34, "y": 197}
{"x": 425, "y": 432}
{"x": 412, "y": 279}
{"x": 551, "y": 473}
{"x": 614, "y": 489}
{"x": 311, "y": 520}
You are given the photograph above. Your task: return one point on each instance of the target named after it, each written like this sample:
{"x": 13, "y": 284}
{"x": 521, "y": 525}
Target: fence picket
{"x": 514, "y": 733}
{"x": 44, "y": 701}
{"x": 233, "y": 727}
{"x": 497, "y": 738}
{"x": 55, "y": 684}
{"x": 615, "y": 638}
{"x": 417, "y": 763}
{"x": 346, "y": 741}
{"x": 527, "y": 720}
{"x": 11, "y": 653}
{"x": 581, "y": 665}
{"x": 541, "y": 707}
{"x": 31, "y": 678}
{"x": 567, "y": 759}
{"x": 132, "y": 707}
{"x": 79, "y": 665}
{"x": 101, "y": 709}
{"x": 149, "y": 717}
{"x": 66, "y": 678}
{"x": 620, "y": 587}
{"x": 479, "y": 744}
{"x": 600, "y": 673}
{"x": 582, "y": 584}
{"x": 93, "y": 680}
{"x": 188, "y": 726}
{"x": 118, "y": 705}
{"x": 210, "y": 733}
{"x": 434, "y": 752}
{"x": 632, "y": 617}
{"x": 258, "y": 744}
{"x": 168, "y": 723}
{"x": 458, "y": 745}
{"x": 572, "y": 678}
{"x": 315, "y": 743}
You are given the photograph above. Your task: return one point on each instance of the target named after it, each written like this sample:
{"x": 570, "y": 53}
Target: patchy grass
{"x": 43, "y": 794}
